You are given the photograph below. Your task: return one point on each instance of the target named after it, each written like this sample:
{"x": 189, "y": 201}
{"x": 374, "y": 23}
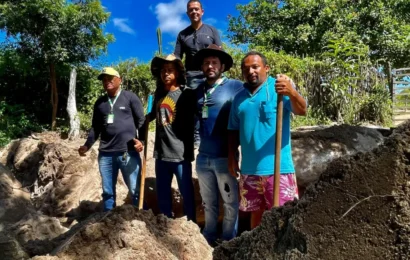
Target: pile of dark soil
{"x": 359, "y": 209}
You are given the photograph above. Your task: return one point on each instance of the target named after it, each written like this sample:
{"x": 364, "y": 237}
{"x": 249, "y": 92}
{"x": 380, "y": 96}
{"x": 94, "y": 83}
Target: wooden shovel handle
{"x": 144, "y": 165}
{"x": 278, "y": 146}
{"x": 144, "y": 159}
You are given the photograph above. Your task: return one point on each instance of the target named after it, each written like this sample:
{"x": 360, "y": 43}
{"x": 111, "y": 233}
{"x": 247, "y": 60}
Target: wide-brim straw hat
{"x": 157, "y": 64}
{"x": 217, "y": 51}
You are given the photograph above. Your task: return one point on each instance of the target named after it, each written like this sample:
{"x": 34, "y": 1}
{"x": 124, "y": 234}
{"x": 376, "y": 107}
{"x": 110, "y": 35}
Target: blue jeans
{"x": 130, "y": 165}
{"x": 193, "y": 82}
{"x": 164, "y": 172}
{"x": 214, "y": 178}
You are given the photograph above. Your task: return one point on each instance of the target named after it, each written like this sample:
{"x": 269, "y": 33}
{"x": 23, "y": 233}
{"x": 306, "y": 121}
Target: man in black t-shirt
{"x": 173, "y": 109}
{"x": 116, "y": 118}
{"x": 195, "y": 37}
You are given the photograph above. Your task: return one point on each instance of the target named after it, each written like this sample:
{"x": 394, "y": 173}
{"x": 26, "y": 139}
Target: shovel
{"x": 144, "y": 159}
{"x": 278, "y": 146}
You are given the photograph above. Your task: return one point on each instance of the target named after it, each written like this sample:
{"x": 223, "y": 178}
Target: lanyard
{"x": 113, "y": 102}
{"x": 207, "y": 94}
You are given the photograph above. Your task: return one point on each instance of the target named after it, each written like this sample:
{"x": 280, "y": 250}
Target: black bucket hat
{"x": 214, "y": 50}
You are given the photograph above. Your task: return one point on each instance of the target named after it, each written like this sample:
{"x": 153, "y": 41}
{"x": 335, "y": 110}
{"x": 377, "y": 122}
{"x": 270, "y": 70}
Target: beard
{"x": 253, "y": 80}
{"x": 213, "y": 74}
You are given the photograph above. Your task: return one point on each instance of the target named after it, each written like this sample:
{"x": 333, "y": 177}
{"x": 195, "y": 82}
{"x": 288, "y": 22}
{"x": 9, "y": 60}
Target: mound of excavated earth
{"x": 50, "y": 187}
{"x": 126, "y": 233}
{"x": 63, "y": 184}
{"x": 359, "y": 209}
{"x": 19, "y": 220}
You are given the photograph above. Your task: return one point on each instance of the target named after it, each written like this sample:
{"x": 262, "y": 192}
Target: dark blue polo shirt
{"x": 190, "y": 41}
{"x": 128, "y": 117}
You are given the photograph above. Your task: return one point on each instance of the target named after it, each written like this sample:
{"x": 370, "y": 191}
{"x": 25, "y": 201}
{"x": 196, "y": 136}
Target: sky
{"x": 134, "y": 22}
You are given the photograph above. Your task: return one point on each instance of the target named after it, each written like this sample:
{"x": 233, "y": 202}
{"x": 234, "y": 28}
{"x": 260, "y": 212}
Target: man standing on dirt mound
{"x": 252, "y": 124}
{"x": 173, "y": 109}
{"x": 116, "y": 118}
{"x": 195, "y": 37}
{"x": 214, "y": 103}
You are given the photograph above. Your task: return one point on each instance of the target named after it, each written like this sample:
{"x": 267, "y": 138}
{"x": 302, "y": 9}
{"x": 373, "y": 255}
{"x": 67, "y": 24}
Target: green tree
{"x": 305, "y": 27}
{"x": 56, "y": 32}
{"x": 137, "y": 77}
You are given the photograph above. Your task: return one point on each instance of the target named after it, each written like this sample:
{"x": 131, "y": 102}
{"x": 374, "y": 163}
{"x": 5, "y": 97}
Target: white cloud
{"x": 122, "y": 25}
{"x": 171, "y": 16}
{"x": 211, "y": 21}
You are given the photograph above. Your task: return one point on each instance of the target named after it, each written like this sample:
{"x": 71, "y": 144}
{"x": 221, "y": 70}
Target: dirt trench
{"x": 359, "y": 209}
{"x": 62, "y": 191}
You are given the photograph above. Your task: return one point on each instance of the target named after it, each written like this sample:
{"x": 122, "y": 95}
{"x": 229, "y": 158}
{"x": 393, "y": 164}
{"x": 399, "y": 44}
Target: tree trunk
{"x": 390, "y": 79}
{"x": 72, "y": 107}
{"x": 54, "y": 95}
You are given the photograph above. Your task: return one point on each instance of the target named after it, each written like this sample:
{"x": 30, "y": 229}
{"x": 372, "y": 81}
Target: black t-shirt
{"x": 128, "y": 117}
{"x": 190, "y": 41}
{"x": 174, "y": 135}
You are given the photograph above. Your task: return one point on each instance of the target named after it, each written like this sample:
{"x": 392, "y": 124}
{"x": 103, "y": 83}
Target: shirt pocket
{"x": 267, "y": 111}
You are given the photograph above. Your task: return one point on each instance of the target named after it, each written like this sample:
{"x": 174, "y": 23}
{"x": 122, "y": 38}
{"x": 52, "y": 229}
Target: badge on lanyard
{"x": 207, "y": 96}
{"x": 205, "y": 112}
{"x": 110, "y": 118}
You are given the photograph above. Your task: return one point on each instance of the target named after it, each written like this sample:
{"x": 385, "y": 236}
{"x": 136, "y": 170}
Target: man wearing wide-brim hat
{"x": 116, "y": 117}
{"x": 173, "y": 109}
{"x": 214, "y": 101}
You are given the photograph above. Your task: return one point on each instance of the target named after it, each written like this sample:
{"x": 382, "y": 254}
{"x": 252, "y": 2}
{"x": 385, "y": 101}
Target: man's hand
{"x": 138, "y": 145}
{"x": 284, "y": 86}
{"x": 233, "y": 165}
{"x": 82, "y": 150}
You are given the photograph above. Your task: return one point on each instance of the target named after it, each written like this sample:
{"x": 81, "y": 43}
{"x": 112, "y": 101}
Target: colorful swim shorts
{"x": 257, "y": 191}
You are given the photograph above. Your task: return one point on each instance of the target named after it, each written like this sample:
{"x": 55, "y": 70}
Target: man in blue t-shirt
{"x": 252, "y": 125}
{"x": 214, "y": 102}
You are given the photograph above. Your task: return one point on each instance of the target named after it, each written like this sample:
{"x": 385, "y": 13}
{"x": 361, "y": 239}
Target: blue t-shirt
{"x": 214, "y": 129}
{"x": 254, "y": 115}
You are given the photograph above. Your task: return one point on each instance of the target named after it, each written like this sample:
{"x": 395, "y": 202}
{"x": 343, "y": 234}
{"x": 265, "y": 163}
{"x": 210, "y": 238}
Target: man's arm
{"x": 233, "y": 140}
{"x": 285, "y": 86}
{"x": 233, "y": 145}
{"x": 217, "y": 37}
{"x": 139, "y": 118}
{"x": 94, "y": 132}
{"x": 298, "y": 104}
{"x": 178, "y": 48}
{"x": 187, "y": 113}
{"x": 137, "y": 111}
{"x": 147, "y": 119}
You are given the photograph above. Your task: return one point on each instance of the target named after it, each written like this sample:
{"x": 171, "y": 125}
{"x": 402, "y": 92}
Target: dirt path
{"x": 400, "y": 117}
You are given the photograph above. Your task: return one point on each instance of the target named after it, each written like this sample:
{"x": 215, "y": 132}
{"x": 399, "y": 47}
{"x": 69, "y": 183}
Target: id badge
{"x": 204, "y": 112}
{"x": 110, "y": 119}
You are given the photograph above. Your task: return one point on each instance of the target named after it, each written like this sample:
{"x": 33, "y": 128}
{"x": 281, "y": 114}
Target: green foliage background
{"x": 337, "y": 52}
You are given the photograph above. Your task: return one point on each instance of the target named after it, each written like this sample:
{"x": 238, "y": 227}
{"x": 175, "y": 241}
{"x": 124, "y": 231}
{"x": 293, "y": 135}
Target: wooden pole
{"x": 144, "y": 159}
{"x": 278, "y": 146}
